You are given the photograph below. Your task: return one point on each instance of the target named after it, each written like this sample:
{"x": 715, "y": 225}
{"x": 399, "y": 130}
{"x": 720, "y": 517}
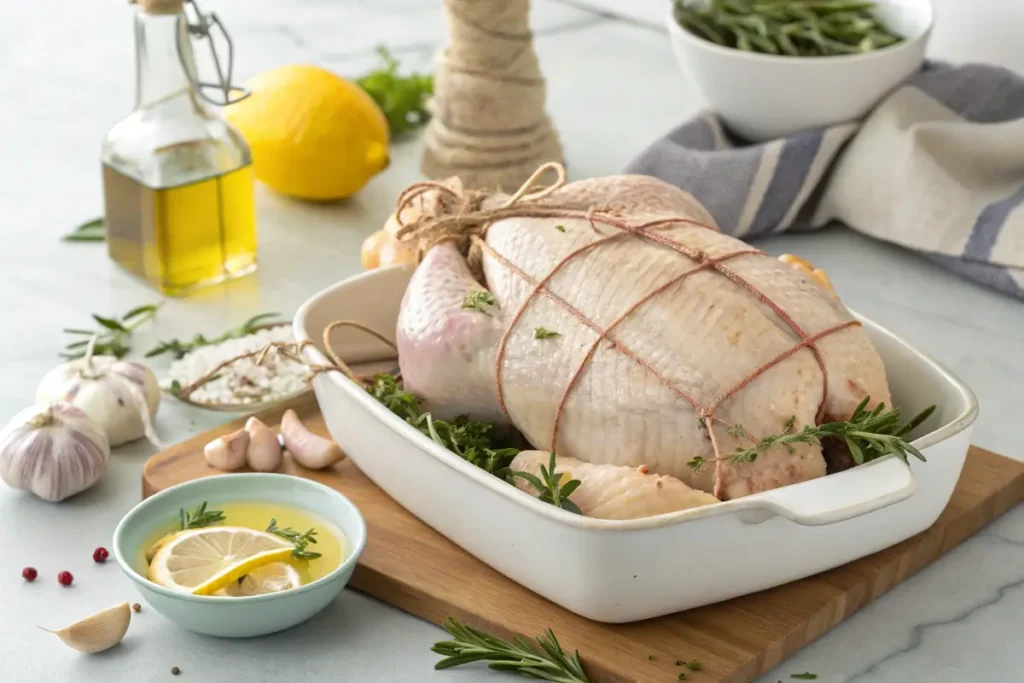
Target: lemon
{"x": 313, "y": 134}
{"x": 272, "y": 578}
{"x": 202, "y": 561}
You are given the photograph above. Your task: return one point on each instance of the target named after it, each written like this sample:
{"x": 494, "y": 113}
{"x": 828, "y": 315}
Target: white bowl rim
{"x": 139, "y": 509}
{"x": 958, "y": 424}
{"x": 908, "y": 43}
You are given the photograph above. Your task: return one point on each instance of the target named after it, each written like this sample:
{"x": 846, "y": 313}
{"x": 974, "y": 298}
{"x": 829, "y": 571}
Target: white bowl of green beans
{"x": 771, "y": 68}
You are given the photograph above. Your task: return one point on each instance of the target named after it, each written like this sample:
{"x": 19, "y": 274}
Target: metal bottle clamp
{"x": 201, "y": 28}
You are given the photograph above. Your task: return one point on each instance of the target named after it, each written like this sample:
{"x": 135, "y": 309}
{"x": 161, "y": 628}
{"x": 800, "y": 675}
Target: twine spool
{"x": 489, "y": 127}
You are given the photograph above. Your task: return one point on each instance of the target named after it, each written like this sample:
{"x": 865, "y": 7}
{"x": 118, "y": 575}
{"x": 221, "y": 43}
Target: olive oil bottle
{"x": 177, "y": 179}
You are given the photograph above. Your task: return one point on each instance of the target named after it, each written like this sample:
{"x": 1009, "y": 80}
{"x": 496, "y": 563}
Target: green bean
{"x": 798, "y": 28}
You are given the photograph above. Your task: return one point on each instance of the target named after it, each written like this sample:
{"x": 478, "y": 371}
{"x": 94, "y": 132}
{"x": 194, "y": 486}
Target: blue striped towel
{"x": 936, "y": 167}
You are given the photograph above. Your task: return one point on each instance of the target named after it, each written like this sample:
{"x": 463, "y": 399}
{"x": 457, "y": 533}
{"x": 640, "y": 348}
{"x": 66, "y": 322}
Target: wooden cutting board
{"x": 411, "y": 566}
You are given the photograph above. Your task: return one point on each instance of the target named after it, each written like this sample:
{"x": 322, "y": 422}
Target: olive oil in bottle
{"x": 177, "y": 179}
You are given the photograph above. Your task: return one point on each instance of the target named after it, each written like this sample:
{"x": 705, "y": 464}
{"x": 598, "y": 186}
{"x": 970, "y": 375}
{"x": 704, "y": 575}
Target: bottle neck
{"x": 161, "y": 78}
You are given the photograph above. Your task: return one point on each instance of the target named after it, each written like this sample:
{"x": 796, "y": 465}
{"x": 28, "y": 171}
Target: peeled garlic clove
{"x": 228, "y": 452}
{"x": 99, "y": 632}
{"x": 264, "y": 452}
{"x": 54, "y": 451}
{"x": 309, "y": 450}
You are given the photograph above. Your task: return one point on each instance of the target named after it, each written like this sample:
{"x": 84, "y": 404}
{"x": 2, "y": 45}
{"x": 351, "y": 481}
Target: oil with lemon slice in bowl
{"x": 228, "y": 575}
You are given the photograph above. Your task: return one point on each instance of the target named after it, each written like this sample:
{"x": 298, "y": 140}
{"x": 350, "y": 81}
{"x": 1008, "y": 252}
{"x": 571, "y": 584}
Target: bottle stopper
{"x": 160, "y": 6}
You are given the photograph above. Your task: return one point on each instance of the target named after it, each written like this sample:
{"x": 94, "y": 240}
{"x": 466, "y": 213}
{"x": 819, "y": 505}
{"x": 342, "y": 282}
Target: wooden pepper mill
{"x": 488, "y": 126}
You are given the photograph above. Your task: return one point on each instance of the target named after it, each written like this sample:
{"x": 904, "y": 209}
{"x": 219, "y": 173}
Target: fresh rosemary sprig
{"x": 868, "y": 434}
{"x": 480, "y": 300}
{"x": 403, "y": 99}
{"x": 469, "y": 644}
{"x": 93, "y": 230}
{"x": 112, "y": 339}
{"x": 550, "y": 487}
{"x": 796, "y": 28}
{"x": 544, "y": 333}
{"x": 301, "y": 541}
{"x": 199, "y": 517}
{"x": 180, "y": 348}
{"x": 475, "y": 441}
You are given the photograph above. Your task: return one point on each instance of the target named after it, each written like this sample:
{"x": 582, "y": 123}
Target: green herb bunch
{"x": 476, "y": 441}
{"x": 550, "y": 663}
{"x": 796, "y": 28}
{"x": 868, "y": 434}
{"x": 403, "y": 99}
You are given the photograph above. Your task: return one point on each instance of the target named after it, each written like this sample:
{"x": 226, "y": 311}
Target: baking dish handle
{"x": 839, "y": 497}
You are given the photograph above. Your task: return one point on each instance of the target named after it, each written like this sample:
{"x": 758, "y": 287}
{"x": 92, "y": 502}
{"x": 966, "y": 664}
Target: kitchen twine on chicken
{"x": 461, "y": 219}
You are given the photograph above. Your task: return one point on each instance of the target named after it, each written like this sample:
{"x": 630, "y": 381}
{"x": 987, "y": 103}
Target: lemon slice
{"x": 202, "y": 561}
{"x": 271, "y": 578}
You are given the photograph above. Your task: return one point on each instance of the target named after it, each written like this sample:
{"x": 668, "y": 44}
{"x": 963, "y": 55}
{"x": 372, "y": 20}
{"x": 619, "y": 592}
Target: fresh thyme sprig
{"x": 112, "y": 339}
{"x": 403, "y": 99}
{"x": 550, "y": 487}
{"x": 868, "y": 434}
{"x": 469, "y": 644}
{"x": 475, "y": 441}
{"x": 301, "y": 541}
{"x": 199, "y": 518}
{"x": 180, "y": 348}
{"x": 480, "y": 300}
{"x": 93, "y": 230}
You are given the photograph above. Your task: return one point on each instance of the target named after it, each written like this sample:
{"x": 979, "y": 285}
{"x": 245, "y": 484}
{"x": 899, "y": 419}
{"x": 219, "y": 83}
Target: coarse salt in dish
{"x": 242, "y": 383}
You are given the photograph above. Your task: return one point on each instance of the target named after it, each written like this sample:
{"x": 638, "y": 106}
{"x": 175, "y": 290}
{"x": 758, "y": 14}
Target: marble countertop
{"x": 67, "y": 76}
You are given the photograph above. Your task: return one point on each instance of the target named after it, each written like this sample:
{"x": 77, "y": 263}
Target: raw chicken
{"x": 613, "y": 491}
{"x": 634, "y": 396}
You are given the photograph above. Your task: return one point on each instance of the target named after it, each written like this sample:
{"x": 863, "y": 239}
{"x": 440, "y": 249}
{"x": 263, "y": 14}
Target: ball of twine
{"x": 488, "y": 124}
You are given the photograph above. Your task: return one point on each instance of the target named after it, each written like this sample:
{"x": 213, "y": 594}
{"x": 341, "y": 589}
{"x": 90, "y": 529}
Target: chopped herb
{"x": 301, "y": 541}
{"x": 479, "y": 300}
{"x": 551, "y": 663}
{"x": 475, "y": 441}
{"x": 650, "y": 658}
{"x": 679, "y": 662}
{"x": 550, "y": 487}
{"x": 544, "y": 333}
{"x": 868, "y": 434}
{"x": 806, "y": 676}
{"x": 694, "y": 665}
{"x": 682, "y": 676}
{"x": 560, "y": 228}
{"x": 199, "y": 518}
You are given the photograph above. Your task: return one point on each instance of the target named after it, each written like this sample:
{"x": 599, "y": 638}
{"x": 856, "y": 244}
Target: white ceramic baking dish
{"x": 620, "y": 571}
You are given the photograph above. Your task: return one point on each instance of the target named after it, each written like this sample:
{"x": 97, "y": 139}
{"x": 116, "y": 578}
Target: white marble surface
{"x": 65, "y": 77}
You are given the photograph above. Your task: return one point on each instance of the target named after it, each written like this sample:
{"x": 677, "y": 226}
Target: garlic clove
{"x": 228, "y": 452}
{"x": 98, "y": 632}
{"x": 309, "y": 450}
{"x": 264, "y": 451}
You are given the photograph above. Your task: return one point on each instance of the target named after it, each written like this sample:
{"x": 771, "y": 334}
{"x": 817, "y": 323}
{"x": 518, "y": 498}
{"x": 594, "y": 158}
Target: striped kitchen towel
{"x": 937, "y": 167}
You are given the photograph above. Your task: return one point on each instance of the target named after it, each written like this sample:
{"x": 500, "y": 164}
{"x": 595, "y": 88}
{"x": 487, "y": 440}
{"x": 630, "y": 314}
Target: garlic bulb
{"x": 121, "y": 396}
{"x": 98, "y": 632}
{"x": 54, "y": 451}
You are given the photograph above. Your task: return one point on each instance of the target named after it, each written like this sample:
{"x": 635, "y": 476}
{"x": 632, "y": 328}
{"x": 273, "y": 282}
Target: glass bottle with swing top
{"x": 177, "y": 179}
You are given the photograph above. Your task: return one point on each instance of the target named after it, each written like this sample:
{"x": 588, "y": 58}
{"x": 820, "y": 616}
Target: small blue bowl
{"x": 239, "y": 617}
